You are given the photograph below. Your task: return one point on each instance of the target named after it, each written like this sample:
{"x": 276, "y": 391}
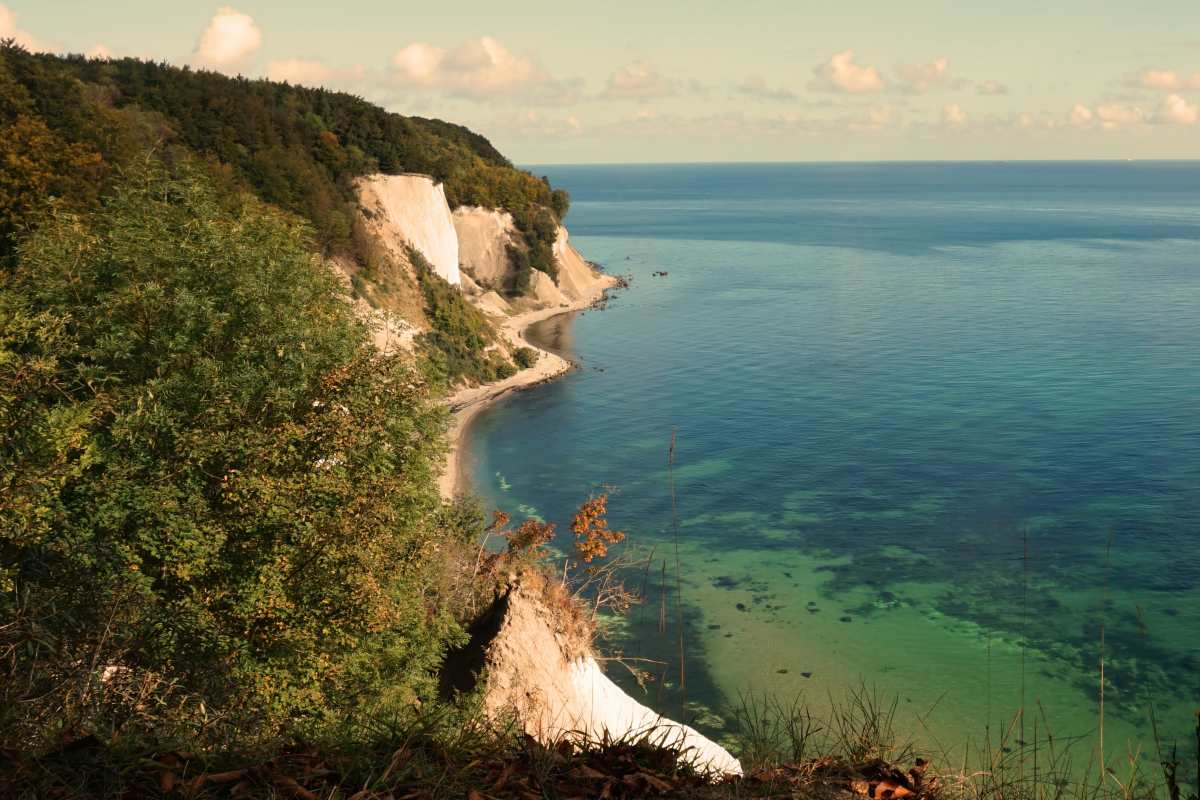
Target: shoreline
{"x": 467, "y": 403}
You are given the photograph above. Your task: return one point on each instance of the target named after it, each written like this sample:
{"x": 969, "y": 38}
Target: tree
{"x": 300, "y": 149}
{"x": 36, "y": 165}
{"x": 560, "y": 201}
{"x": 212, "y": 487}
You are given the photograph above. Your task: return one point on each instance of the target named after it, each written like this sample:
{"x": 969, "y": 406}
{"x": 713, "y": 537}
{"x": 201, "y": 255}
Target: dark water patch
{"x": 660, "y": 687}
{"x": 554, "y": 334}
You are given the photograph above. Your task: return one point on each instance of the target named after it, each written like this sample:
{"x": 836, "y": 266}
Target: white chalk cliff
{"x": 576, "y": 277}
{"x": 412, "y": 209}
{"x": 484, "y": 235}
{"x": 558, "y": 690}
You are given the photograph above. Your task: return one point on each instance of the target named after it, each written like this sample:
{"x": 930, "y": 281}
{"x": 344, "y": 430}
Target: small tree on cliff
{"x": 560, "y": 201}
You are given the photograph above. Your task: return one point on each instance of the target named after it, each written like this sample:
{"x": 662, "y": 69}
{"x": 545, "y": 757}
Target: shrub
{"x": 520, "y": 270}
{"x": 526, "y": 357}
{"x": 459, "y": 346}
{"x": 560, "y": 201}
{"x": 216, "y": 502}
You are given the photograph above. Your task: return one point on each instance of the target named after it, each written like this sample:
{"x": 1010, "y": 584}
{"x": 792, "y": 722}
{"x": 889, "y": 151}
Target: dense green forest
{"x": 71, "y": 127}
{"x": 68, "y": 120}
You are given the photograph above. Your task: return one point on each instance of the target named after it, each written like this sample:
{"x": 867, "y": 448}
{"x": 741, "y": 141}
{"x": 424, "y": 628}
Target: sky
{"x": 626, "y": 81}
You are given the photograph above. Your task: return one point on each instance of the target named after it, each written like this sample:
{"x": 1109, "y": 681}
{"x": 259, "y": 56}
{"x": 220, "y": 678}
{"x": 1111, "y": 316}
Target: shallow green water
{"x": 889, "y": 383}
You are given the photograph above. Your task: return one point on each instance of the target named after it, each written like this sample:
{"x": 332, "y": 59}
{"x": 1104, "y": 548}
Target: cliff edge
{"x": 411, "y": 209}
{"x": 551, "y": 681}
{"x": 484, "y": 236}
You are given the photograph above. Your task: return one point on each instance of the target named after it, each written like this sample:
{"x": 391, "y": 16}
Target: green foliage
{"x": 37, "y": 163}
{"x": 460, "y": 345}
{"x": 297, "y": 148}
{"x": 540, "y": 229}
{"x": 560, "y": 202}
{"x": 525, "y": 357}
{"x": 520, "y": 269}
{"x": 217, "y": 504}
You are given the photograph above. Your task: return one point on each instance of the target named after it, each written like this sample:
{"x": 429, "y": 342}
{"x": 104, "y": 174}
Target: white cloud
{"x": 756, "y": 86}
{"x": 953, "y": 116}
{"x": 1113, "y": 116}
{"x": 841, "y": 74}
{"x": 1173, "y": 110}
{"x": 1167, "y": 80}
{"x": 10, "y": 30}
{"x": 1030, "y": 121}
{"x": 534, "y": 123}
{"x": 921, "y": 78}
{"x": 1177, "y": 110}
{"x": 876, "y": 118}
{"x": 991, "y": 87}
{"x": 640, "y": 79}
{"x": 648, "y": 122}
{"x": 310, "y": 72}
{"x": 229, "y": 40}
{"x": 1118, "y": 115}
{"x": 418, "y": 63}
{"x": 1081, "y": 116}
{"x": 477, "y": 68}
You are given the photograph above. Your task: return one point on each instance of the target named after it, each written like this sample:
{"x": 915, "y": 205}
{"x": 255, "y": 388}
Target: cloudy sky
{"x": 754, "y": 80}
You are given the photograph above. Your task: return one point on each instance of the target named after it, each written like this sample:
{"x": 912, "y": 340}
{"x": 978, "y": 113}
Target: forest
{"x": 69, "y": 121}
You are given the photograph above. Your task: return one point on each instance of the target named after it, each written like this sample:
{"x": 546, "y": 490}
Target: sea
{"x": 936, "y": 449}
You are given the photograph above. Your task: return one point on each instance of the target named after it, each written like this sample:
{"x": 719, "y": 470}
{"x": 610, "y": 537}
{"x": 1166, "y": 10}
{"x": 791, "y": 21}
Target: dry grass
{"x": 858, "y": 750}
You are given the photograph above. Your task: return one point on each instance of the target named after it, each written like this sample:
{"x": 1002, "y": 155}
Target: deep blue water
{"x": 914, "y": 405}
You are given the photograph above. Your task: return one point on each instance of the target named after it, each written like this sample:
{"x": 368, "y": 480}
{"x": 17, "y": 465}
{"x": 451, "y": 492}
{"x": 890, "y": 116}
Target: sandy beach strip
{"x": 466, "y": 403}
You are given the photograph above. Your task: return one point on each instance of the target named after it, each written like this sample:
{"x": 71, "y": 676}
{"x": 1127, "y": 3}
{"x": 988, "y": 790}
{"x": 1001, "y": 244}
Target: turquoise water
{"x": 889, "y": 383}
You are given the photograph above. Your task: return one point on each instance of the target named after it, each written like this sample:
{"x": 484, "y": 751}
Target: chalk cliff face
{"x": 403, "y": 210}
{"x": 484, "y": 235}
{"x": 556, "y": 687}
{"x": 412, "y": 209}
{"x": 543, "y": 289}
{"x": 576, "y": 278}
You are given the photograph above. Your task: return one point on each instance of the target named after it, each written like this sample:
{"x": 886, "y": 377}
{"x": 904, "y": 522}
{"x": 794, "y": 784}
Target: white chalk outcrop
{"x": 411, "y": 209}
{"x": 576, "y": 277}
{"x": 558, "y": 690}
{"x": 545, "y": 291}
{"x": 484, "y": 236}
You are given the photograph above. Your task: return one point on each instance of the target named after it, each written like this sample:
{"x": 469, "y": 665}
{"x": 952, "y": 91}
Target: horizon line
{"x": 782, "y": 162}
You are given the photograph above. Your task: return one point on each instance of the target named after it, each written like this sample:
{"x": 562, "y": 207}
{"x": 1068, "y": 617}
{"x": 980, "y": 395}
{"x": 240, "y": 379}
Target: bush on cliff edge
{"x": 217, "y": 505}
